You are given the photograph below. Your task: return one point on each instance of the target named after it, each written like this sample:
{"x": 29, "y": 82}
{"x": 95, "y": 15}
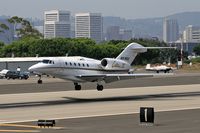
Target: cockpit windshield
{"x": 47, "y": 61}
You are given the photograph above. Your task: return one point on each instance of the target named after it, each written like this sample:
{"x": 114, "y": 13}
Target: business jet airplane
{"x": 82, "y": 69}
{"x": 161, "y": 68}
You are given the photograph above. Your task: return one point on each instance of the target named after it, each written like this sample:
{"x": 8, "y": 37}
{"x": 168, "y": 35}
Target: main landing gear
{"x": 39, "y": 80}
{"x": 99, "y": 87}
{"x": 77, "y": 87}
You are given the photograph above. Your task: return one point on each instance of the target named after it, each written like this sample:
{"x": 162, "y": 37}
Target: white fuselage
{"x": 71, "y": 67}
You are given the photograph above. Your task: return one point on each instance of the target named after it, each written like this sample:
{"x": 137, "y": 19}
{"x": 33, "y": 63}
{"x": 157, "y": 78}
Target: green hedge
{"x": 29, "y": 47}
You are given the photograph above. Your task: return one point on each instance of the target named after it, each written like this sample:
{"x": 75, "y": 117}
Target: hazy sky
{"x": 124, "y": 8}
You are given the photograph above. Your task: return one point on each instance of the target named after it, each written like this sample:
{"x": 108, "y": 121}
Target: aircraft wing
{"x": 108, "y": 78}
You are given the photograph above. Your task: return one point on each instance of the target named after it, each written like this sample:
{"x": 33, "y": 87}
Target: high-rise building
{"x": 191, "y": 34}
{"x": 89, "y": 25}
{"x": 57, "y": 24}
{"x": 170, "y": 30}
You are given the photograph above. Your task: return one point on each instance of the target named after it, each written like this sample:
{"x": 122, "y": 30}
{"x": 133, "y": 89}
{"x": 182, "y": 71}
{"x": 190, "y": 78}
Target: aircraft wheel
{"x": 77, "y": 87}
{"x": 39, "y": 81}
{"x": 99, "y": 87}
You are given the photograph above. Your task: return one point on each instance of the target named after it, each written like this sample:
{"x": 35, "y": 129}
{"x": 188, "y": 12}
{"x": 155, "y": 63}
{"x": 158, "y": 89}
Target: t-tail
{"x": 130, "y": 52}
{"x": 148, "y": 66}
{"x": 133, "y": 49}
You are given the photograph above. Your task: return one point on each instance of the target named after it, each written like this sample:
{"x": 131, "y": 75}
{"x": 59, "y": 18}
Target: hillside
{"x": 152, "y": 26}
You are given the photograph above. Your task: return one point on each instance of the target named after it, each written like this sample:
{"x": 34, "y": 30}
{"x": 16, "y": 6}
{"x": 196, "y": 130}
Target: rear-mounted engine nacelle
{"x": 114, "y": 64}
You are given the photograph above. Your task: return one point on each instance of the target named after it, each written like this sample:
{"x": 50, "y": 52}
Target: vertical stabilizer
{"x": 130, "y": 52}
{"x": 148, "y": 66}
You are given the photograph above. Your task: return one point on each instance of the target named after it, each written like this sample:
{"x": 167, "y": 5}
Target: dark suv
{"x": 23, "y": 75}
{"x": 16, "y": 75}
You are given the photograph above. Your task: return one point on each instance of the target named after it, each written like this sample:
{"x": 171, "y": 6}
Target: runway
{"x": 89, "y": 103}
{"x": 186, "y": 121}
{"x": 166, "y": 122}
{"x": 92, "y": 111}
{"x": 54, "y": 85}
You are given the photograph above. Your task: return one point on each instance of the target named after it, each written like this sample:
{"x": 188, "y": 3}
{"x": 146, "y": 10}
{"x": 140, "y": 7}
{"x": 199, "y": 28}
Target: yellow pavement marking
{"x": 28, "y": 126}
{"x": 17, "y": 125}
{"x": 21, "y": 131}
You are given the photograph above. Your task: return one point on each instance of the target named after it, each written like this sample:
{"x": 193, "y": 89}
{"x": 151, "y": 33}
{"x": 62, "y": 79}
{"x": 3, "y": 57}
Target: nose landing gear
{"x": 77, "y": 87}
{"x": 39, "y": 80}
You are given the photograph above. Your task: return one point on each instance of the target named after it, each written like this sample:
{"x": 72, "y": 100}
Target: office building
{"x": 191, "y": 34}
{"x": 170, "y": 30}
{"x": 57, "y": 24}
{"x": 89, "y": 25}
{"x": 186, "y": 46}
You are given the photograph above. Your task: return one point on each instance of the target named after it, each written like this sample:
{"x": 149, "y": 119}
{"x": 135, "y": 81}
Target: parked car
{"x": 16, "y": 75}
{"x": 23, "y": 75}
{"x": 3, "y": 73}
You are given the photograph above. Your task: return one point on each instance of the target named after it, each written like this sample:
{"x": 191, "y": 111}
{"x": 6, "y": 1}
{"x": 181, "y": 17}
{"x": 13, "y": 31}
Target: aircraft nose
{"x": 32, "y": 68}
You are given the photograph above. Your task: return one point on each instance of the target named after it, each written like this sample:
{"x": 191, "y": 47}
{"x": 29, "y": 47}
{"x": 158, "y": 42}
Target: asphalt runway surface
{"x": 52, "y": 85}
{"x": 176, "y": 101}
{"x": 186, "y": 121}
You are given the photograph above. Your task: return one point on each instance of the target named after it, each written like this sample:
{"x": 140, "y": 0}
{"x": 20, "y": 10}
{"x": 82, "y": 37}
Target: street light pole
{"x": 181, "y": 61}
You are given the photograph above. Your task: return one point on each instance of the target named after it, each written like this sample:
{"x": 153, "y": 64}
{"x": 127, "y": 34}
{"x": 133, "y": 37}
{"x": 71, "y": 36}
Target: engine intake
{"x": 104, "y": 62}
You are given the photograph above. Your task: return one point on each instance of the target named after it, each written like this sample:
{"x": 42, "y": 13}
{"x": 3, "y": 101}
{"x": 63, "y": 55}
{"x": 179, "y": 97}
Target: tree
{"x": 4, "y": 29}
{"x": 16, "y": 23}
{"x": 25, "y": 29}
{"x": 1, "y": 44}
{"x": 196, "y": 49}
{"x": 31, "y": 46}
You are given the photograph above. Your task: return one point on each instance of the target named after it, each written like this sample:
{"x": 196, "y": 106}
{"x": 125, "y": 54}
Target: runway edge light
{"x": 146, "y": 115}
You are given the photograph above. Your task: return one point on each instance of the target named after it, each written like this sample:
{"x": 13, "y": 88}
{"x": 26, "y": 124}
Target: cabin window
{"x": 74, "y": 64}
{"x": 45, "y": 61}
{"x": 87, "y": 65}
{"x": 66, "y": 63}
{"x": 79, "y": 64}
{"x": 83, "y": 65}
{"x": 70, "y": 64}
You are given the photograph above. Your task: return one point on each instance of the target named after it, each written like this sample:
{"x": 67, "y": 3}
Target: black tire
{"x": 100, "y": 87}
{"x": 39, "y": 81}
{"x": 77, "y": 87}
